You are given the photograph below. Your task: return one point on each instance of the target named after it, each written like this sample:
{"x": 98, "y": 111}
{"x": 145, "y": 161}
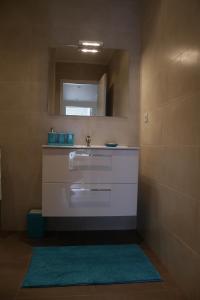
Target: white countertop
{"x": 91, "y": 147}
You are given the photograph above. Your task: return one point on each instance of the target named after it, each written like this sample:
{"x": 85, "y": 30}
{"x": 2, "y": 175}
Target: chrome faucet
{"x": 88, "y": 140}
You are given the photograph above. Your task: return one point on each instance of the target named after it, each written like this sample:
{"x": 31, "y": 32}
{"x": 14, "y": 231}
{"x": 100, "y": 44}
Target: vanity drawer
{"x": 90, "y": 166}
{"x": 62, "y": 199}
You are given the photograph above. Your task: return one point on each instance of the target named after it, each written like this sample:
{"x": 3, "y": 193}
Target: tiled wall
{"x": 118, "y": 81}
{"x": 27, "y": 29}
{"x": 170, "y": 156}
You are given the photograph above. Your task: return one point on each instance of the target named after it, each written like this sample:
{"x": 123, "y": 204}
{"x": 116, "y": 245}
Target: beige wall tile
{"x": 183, "y": 74}
{"x": 182, "y": 263}
{"x": 170, "y": 167}
{"x": 182, "y": 169}
{"x": 152, "y": 163}
{"x": 151, "y": 9}
{"x": 152, "y": 131}
{"x": 178, "y": 214}
{"x": 23, "y": 97}
{"x": 198, "y": 227}
{"x": 181, "y": 29}
{"x": 162, "y": 208}
{"x": 181, "y": 122}
{"x": 153, "y": 89}
{"x": 21, "y": 183}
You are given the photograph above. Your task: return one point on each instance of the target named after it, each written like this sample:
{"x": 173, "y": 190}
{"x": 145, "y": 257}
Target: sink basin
{"x": 98, "y": 146}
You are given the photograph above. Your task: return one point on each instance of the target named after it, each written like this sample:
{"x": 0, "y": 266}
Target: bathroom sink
{"x": 92, "y": 146}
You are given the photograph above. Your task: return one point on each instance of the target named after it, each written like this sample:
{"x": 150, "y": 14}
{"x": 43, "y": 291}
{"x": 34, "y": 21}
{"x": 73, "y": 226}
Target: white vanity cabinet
{"x": 89, "y": 182}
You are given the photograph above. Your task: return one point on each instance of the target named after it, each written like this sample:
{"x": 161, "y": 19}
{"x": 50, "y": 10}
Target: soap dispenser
{"x": 52, "y": 136}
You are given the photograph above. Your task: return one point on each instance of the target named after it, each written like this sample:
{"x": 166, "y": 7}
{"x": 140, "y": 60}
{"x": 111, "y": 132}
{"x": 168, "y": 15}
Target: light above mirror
{"x": 89, "y": 50}
{"x": 86, "y": 83}
{"x": 91, "y": 44}
{"x": 90, "y": 47}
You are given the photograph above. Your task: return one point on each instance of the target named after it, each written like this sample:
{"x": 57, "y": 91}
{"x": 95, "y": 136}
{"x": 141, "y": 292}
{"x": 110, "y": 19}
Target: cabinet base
{"x": 90, "y": 223}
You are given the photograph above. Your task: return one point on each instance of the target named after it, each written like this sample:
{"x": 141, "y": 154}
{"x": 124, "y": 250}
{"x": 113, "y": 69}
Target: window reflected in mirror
{"x": 79, "y": 99}
{"x": 88, "y": 84}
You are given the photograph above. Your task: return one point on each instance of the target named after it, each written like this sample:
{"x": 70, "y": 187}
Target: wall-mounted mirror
{"x": 88, "y": 84}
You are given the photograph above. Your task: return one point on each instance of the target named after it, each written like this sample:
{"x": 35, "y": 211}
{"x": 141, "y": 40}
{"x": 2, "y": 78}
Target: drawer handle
{"x": 73, "y": 154}
{"x": 90, "y": 190}
{"x": 101, "y": 190}
{"x": 100, "y": 155}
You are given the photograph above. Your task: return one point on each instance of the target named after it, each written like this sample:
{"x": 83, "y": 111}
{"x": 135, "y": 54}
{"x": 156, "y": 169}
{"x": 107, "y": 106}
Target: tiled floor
{"x": 15, "y": 253}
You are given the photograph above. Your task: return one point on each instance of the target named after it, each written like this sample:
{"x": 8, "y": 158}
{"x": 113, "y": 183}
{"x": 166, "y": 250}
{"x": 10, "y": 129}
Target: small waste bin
{"x": 35, "y": 224}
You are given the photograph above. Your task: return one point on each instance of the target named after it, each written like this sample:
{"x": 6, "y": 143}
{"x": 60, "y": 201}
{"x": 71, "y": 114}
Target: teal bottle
{"x": 70, "y": 138}
{"x": 52, "y": 137}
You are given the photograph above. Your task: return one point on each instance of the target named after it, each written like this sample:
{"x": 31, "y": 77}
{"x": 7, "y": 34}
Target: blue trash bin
{"x": 35, "y": 224}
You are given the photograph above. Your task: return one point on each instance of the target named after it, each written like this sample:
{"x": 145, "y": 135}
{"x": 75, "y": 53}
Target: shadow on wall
{"x": 149, "y": 9}
{"x": 149, "y": 211}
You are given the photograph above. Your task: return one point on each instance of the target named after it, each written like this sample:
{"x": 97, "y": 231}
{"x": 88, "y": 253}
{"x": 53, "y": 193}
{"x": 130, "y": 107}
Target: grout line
{"x": 194, "y": 252}
{"x": 169, "y": 102}
{"x": 155, "y": 182}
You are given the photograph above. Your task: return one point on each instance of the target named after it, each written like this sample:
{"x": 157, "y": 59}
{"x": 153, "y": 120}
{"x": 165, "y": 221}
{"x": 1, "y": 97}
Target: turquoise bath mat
{"x": 84, "y": 265}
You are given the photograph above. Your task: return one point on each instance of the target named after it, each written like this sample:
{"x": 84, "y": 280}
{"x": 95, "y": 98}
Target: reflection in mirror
{"x": 88, "y": 84}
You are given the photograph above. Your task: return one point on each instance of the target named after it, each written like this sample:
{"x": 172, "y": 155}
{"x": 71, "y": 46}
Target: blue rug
{"x": 84, "y": 265}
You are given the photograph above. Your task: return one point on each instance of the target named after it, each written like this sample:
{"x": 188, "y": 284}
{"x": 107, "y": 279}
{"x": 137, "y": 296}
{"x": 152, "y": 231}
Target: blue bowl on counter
{"x": 111, "y": 145}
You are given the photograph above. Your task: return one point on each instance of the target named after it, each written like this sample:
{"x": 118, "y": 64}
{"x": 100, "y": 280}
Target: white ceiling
{"x": 73, "y": 54}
